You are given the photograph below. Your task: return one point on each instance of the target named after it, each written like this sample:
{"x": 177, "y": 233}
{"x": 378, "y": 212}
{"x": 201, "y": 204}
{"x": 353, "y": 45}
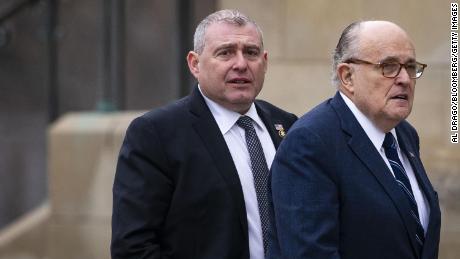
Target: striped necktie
{"x": 390, "y": 146}
{"x": 259, "y": 169}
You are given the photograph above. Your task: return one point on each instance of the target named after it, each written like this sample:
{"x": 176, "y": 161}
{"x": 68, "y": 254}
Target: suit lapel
{"x": 362, "y": 146}
{"x": 416, "y": 164}
{"x": 267, "y": 119}
{"x": 423, "y": 183}
{"x": 209, "y": 132}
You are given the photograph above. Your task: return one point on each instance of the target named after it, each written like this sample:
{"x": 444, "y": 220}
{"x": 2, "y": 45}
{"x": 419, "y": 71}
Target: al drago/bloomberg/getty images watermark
{"x": 454, "y": 70}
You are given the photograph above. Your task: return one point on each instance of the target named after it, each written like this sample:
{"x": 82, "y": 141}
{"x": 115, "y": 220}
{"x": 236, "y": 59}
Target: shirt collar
{"x": 375, "y": 134}
{"x": 226, "y": 118}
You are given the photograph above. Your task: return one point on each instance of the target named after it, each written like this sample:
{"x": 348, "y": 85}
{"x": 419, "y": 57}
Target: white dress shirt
{"x": 377, "y": 137}
{"x": 236, "y": 142}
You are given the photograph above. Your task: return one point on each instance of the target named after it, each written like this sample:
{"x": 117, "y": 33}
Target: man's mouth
{"x": 239, "y": 81}
{"x": 400, "y": 97}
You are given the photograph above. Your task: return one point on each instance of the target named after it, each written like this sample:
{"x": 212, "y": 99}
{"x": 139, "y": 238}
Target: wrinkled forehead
{"x": 223, "y": 31}
{"x": 383, "y": 40}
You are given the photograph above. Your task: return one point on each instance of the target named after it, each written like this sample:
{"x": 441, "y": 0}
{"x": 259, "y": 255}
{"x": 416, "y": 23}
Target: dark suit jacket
{"x": 334, "y": 196}
{"x": 177, "y": 193}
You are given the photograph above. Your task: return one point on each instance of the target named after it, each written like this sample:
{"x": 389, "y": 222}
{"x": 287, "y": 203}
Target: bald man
{"x": 347, "y": 181}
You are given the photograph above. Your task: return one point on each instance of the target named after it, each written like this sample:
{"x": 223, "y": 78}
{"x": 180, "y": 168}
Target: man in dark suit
{"x": 184, "y": 184}
{"x": 347, "y": 181}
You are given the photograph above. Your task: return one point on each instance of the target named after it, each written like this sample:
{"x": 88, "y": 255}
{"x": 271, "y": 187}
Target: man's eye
{"x": 223, "y": 53}
{"x": 390, "y": 67}
{"x": 252, "y": 52}
{"x": 411, "y": 66}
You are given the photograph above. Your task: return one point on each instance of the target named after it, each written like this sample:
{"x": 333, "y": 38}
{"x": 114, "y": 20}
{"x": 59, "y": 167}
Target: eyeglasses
{"x": 392, "y": 69}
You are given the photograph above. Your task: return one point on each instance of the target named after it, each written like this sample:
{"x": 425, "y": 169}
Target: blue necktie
{"x": 390, "y": 146}
{"x": 259, "y": 172}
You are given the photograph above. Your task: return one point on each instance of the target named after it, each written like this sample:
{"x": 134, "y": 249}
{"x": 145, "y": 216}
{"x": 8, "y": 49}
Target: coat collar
{"x": 275, "y": 128}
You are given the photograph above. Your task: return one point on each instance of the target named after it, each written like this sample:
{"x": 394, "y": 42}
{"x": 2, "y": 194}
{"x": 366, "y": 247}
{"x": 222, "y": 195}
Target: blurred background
{"x": 73, "y": 74}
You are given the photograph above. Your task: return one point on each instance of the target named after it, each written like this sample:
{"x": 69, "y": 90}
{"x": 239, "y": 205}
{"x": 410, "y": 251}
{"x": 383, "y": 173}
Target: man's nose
{"x": 240, "y": 62}
{"x": 403, "y": 77}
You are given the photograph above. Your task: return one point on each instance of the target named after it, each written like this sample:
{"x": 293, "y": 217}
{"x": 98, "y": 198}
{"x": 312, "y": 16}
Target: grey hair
{"x": 234, "y": 17}
{"x": 346, "y": 48}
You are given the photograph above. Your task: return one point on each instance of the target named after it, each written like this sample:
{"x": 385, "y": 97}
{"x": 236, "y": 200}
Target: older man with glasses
{"x": 348, "y": 182}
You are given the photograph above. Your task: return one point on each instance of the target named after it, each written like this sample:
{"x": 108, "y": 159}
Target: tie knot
{"x": 389, "y": 141}
{"x": 245, "y": 122}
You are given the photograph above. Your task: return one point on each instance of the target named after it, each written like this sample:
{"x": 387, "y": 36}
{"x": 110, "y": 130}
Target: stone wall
{"x": 75, "y": 222}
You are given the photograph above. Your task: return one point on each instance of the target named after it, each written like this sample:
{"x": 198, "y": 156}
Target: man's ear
{"x": 345, "y": 75}
{"x": 265, "y": 57}
{"x": 192, "y": 61}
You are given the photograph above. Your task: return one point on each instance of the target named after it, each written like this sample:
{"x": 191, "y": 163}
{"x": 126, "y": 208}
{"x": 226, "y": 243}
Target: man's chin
{"x": 400, "y": 116}
{"x": 242, "y": 98}
{"x": 242, "y": 104}
{"x": 400, "y": 111}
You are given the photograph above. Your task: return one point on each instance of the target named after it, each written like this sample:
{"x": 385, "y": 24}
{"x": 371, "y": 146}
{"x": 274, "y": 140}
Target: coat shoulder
{"x": 275, "y": 111}
{"x": 319, "y": 119}
{"x": 169, "y": 112}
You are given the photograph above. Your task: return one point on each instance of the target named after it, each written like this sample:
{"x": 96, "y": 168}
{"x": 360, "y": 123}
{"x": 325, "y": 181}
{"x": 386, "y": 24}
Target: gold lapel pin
{"x": 280, "y": 129}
